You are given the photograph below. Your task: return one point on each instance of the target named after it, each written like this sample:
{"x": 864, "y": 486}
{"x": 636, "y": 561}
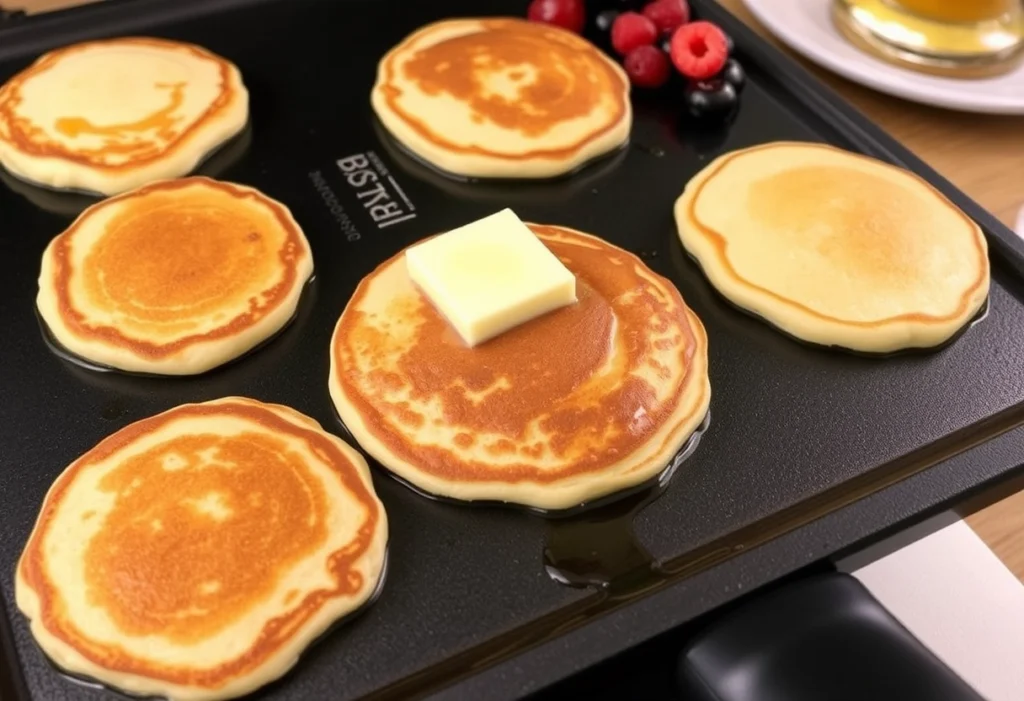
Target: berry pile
{"x": 661, "y": 35}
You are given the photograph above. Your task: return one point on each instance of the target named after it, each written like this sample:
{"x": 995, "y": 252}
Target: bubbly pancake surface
{"x": 107, "y": 116}
{"x": 835, "y": 248}
{"x": 584, "y": 401}
{"x": 174, "y": 278}
{"x": 196, "y": 553}
{"x": 502, "y": 98}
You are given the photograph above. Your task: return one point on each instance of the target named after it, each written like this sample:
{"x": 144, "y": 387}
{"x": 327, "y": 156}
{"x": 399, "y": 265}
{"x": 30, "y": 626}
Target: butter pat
{"x": 490, "y": 276}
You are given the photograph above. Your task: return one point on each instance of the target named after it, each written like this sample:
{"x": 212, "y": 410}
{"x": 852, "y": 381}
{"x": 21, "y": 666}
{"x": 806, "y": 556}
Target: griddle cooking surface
{"x": 789, "y": 422}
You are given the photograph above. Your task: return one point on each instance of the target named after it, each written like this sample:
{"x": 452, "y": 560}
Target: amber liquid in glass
{"x": 962, "y": 11}
{"x": 962, "y": 38}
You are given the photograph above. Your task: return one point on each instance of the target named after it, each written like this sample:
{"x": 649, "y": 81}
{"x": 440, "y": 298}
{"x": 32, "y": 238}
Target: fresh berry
{"x": 647, "y": 66}
{"x": 699, "y": 50}
{"x": 733, "y": 74}
{"x": 710, "y": 98}
{"x": 667, "y": 15}
{"x": 667, "y": 43}
{"x": 567, "y": 14}
{"x": 606, "y": 19}
{"x": 630, "y": 30}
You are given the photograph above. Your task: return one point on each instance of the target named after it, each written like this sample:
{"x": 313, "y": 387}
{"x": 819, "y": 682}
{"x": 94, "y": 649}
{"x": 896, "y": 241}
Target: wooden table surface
{"x": 983, "y": 155}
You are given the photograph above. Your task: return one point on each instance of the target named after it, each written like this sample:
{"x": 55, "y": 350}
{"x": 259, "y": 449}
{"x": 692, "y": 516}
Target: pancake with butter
{"x": 502, "y": 98}
{"x": 835, "y": 248}
{"x": 108, "y": 116}
{"x": 587, "y": 400}
{"x": 195, "y": 554}
{"x": 174, "y": 278}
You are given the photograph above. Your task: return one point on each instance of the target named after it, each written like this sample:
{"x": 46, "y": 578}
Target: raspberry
{"x": 647, "y": 66}
{"x": 699, "y": 50}
{"x": 667, "y": 15}
{"x": 567, "y": 14}
{"x": 631, "y": 29}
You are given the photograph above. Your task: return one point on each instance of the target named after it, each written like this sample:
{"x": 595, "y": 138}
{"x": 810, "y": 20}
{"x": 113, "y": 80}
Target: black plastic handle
{"x": 824, "y": 637}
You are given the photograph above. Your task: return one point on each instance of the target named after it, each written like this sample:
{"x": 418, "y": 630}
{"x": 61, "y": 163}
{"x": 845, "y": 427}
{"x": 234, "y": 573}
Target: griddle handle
{"x": 824, "y": 637}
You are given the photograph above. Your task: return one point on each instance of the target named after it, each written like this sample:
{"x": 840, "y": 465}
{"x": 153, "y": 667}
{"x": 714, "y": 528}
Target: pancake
{"x": 835, "y": 248}
{"x": 502, "y": 98}
{"x": 174, "y": 278}
{"x": 585, "y": 401}
{"x": 195, "y": 554}
{"x": 108, "y": 116}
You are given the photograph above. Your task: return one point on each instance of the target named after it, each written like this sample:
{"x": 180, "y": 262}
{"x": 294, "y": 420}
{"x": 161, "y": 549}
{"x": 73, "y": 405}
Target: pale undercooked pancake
{"x": 174, "y": 278}
{"x": 502, "y": 98}
{"x": 835, "y": 248}
{"x": 587, "y": 400}
{"x": 107, "y": 116}
{"x": 196, "y": 553}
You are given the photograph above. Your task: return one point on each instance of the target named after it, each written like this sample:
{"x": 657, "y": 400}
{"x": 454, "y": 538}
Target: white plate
{"x": 806, "y": 27}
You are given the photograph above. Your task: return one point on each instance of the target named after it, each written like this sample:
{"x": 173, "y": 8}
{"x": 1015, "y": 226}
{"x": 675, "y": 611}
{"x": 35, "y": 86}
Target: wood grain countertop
{"x": 983, "y": 155}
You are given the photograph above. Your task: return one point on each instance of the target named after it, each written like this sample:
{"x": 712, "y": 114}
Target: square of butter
{"x": 490, "y": 276}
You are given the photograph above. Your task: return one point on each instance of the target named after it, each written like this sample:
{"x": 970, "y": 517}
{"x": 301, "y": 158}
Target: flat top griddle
{"x": 808, "y": 451}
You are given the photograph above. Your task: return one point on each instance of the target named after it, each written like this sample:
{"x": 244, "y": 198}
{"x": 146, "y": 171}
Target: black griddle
{"x": 809, "y": 451}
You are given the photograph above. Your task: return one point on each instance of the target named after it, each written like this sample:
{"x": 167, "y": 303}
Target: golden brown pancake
{"x": 587, "y": 400}
{"x": 174, "y": 278}
{"x": 502, "y": 98}
{"x": 107, "y": 116}
{"x": 835, "y": 248}
{"x": 195, "y": 554}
